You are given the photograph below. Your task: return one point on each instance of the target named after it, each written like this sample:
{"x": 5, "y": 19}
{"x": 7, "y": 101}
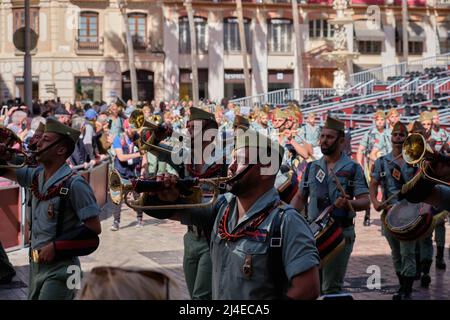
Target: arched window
{"x": 88, "y": 30}
{"x": 231, "y": 41}
{"x": 280, "y": 36}
{"x": 200, "y": 35}
{"x": 137, "y": 23}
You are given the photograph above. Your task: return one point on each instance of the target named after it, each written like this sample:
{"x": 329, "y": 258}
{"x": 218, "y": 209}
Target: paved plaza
{"x": 159, "y": 244}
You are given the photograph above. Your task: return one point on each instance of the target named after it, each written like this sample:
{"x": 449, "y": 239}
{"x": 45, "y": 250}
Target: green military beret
{"x": 334, "y": 124}
{"x": 241, "y": 122}
{"x": 400, "y": 127}
{"x": 55, "y": 126}
{"x": 199, "y": 114}
{"x": 254, "y": 139}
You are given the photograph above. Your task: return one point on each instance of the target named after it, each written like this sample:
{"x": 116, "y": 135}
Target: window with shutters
{"x": 280, "y": 36}
{"x": 88, "y": 30}
{"x": 320, "y": 29}
{"x": 231, "y": 41}
{"x": 201, "y": 35}
{"x": 19, "y": 19}
{"x": 137, "y": 23}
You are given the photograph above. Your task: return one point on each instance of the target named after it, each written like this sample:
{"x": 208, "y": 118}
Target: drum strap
{"x": 323, "y": 198}
{"x": 275, "y": 261}
{"x": 389, "y": 169}
{"x": 305, "y": 190}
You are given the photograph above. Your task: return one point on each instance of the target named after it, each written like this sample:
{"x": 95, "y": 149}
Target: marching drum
{"x": 329, "y": 235}
{"x": 410, "y": 221}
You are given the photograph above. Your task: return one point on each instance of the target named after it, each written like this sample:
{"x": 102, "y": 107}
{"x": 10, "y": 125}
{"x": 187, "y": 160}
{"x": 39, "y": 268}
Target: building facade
{"x": 81, "y": 52}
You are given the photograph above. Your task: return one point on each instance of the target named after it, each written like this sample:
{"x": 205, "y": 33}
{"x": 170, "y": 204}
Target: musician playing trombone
{"x": 261, "y": 248}
{"x": 391, "y": 172}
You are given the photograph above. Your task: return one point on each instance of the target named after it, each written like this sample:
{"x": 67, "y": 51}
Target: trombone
{"x": 9, "y": 138}
{"x": 189, "y": 187}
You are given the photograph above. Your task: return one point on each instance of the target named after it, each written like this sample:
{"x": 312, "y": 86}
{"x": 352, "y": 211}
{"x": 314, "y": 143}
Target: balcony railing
{"x": 89, "y": 45}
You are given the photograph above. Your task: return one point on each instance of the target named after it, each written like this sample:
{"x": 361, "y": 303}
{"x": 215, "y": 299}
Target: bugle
{"x": 119, "y": 191}
{"x": 9, "y": 139}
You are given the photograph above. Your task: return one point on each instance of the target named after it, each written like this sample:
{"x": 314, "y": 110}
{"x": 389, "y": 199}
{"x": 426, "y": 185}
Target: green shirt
{"x": 318, "y": 171}
{"x": 298, "y": 249}
{"x": 81, "y": 206}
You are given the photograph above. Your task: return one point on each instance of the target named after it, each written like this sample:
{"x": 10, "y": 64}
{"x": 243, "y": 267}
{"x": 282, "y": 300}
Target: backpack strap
{"x": 63, "y": 199}
{"x": 305, "y": 185}
{"x": 275, "y": 261}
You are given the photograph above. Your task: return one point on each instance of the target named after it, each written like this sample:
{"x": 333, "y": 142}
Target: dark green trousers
{"x": 6, "y": 268}
{"x": 333, "y": 273}
{"x": 50, "y": 281}
{"x": 197, "y": 267}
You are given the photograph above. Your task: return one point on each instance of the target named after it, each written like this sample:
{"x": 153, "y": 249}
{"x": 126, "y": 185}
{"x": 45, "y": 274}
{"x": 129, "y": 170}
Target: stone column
{"x": 216, "y": 71}
{"x": 171, "y": 61}
{"x": 388, "y": 54}
{"x": 430, "y": 45}
{"x": 259, "y": 53}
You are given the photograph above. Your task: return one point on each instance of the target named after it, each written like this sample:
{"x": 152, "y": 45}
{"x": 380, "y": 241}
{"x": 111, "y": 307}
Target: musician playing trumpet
{"x": 391, "y": 172}
{"x": 261, "y": 248}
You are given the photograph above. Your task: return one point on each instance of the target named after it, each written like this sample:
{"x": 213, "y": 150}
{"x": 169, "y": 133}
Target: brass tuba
{"x": 416, "y": 150}
{"x": 119, "y": 191}
{"x": 9, "y": 139}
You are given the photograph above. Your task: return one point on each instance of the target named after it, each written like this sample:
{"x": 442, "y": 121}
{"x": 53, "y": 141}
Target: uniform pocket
{"x": 251, "y": 259}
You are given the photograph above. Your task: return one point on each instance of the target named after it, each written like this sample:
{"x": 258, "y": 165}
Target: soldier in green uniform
{"x": 7, "y": 271}
{"x": 424, "y": 246}
{"x": 391, "y": 172}
{"x": 197, "y": 260}
{"x": 374, "y": 144}
{"x": 321, "y": 189}
{"x": 64, "y": 222}
{"x": 261, "y": 248}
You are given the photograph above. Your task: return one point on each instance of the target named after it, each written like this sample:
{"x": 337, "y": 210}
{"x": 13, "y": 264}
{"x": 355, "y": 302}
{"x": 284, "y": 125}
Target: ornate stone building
{"x": 82, "y": 52}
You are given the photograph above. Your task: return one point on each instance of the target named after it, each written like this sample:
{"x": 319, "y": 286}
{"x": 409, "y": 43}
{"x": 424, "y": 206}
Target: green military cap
{"x": 241, "y": 122}
{"x": 55, "y": 126}
{"x": 380, "y": 114}
{"x": 199, "y": 114}
{"x": 400, "y": 127}
{"x": 255, "y": 139}
{"x": 416, "y": 127}
{"x": 334, "y": 124}
{"x": 41, "y": 127}
{"x": 426, "y": 116}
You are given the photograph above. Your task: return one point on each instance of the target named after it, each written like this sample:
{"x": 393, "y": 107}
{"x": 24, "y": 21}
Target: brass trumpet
{"x": 252, "y": 117}
{"x": 9, "y": 139}
{"x": 119, "y": 191}
{"x": 150, "y": 133}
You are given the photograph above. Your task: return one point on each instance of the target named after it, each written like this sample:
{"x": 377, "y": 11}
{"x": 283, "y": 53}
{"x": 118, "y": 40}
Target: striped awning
{"x": 415, "y": 31}
{"x": 368, "y": 31}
